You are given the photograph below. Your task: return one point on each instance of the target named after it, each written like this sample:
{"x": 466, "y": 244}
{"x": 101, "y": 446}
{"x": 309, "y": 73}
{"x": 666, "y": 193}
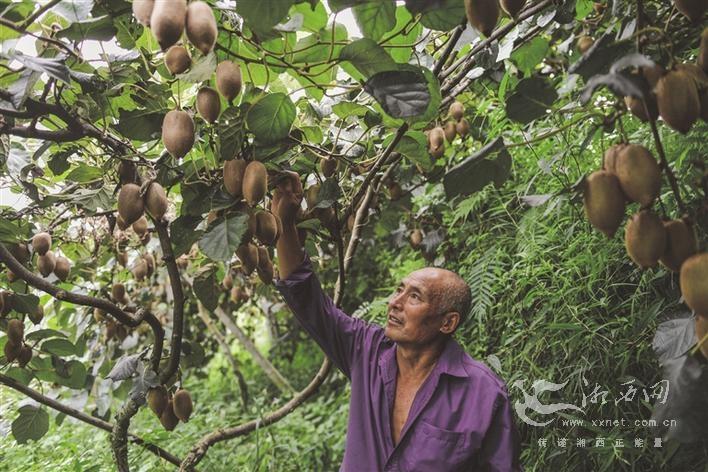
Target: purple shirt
{"x": 461, "y": 417}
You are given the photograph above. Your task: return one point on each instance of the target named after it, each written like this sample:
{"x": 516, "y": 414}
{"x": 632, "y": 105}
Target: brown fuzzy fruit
{"x": 228, "y": 79}
{"x": 462, "y": 127}
{"x": 456, "y": 110}
{"x": 62, "y": 268}
{"x": 694, "y": 283}
{"x": 692, "y": 9}
{"x": 178, "y": 133}
{"x": 167, "y": 21}
{"x": 177, "y": 60}
{"x": 636, "y": 106}
{"x": 130, "y": 204}
{"x": 512, "y": 7}
{"x": 703, "y": 52}
{"x": 12, "y": 351}
{"x": 645, "y": 238}
{"x": 20, "y": 252}
{"x": 118, "y": 293}
{"x": 6, "y": 302}
{"x": 238, "y": 294}
{"x": 228, "y": 281}
{"x": 122, "y": 258}
{"x": 24, "y": 356}
{"x": 41, "y": 243}
{"x": 255, "y": 182}
{"x": 416, "y": 238}
{"x": 233, "y": 176}
{"x": 46, "y": 263}
{"x": 150, "y": 261}
{"x": 140, "y": 269}
{"x": 328, "y": 166}
{"x": 678, "y": 100}
{"x": 168, "y": 419}
{"x": 436, "y": 139}
{"x": 584, "y": 43}
{"x": 266, "y": 228}
{"x": 265, "y": 266}
{"x": 482, "y": 15}
{"x": 111, "y": 329}
{"x": 201, "y": 26}
{"x": 15, "y": 331}
{"x": 157, "y": 400}
{"x": 36, "y": 315}
{"x": 681, "y": 244}
{"x": 450, "y": 130}
{"x": 156, "y": 201}
{"x": 638, "y": 173}
{"x": 142, "y": 10}
{"x": 248, "y": 255}
{"x": 99, "y": 315}
{"x": 182, "y": 405}
{"x": 609, "y": 160}
{"x": 604, "y": 201}
{"x": 208, "y": 104}
{"x": 120, "y": 222}
{"x": 140, "y": 226}
{"x": 128, "y": 173}
{"x": 701, "y": 331}
{"x": 395, "y": 191}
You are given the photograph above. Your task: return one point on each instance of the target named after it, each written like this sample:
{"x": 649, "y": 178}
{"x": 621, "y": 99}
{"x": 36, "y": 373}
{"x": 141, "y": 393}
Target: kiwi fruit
{"x": 208, "y": 104}
{"x": 652, "y": 74}
{"x": 20, "y": 252}
{"x": 328, "y": 166}
{"x": 128, "y": 172}
{"x": 609, "y": 160}
{"x": 416, "y": 238}
{"x": 252, "y": 226}
{"x": 681, "y": 244}
{"x": 456, "y": 110}
{"x": 512, "y": 7}
{"x": 142, "y": 10}
{"x": 12, "y": 351}
{"x": 703, "y": 52}
{"x": 99, "y": 315}
{"x": 178, "y": 133}
{"x": 140, "y": 269}
{"x": 312, "y": 195}
{"x": 140, "y": 226}
{"x": 122, "y": 258}
{"x": 639, "y": 174}
{"x": 118, "y": 293}
{"x": 450, "y": 130}
{"x": 238, "y": 295}
{"x": 157, "y": 400}
{"x": 177, "y": 60}
{"x": 167, "y": 21}
{"x": 228, "y": 281}
{"x": 62, "y": 268}
{"x": 395, "y": 191}
{"x": 636, "y": 107}
{"x": 46, "y": 263}
{"x": 150, "y": 261}
{"x": 482, "y": 15}
{"x": 604, "y": 201}
{"x": 41, "y": 243}
{"x": 266, "y": 228}
{"x": 15, "y": 331}
{"x": 168, "y": 419}
{"x": 462, "y": 127}
{"x": 255, "y": 182}
{"x": 182, "y": 405}
{"x": 248, "y": 255}
{"x": 228, "y": 79}
{"x": 24, "y": 356}
{"x": 233, "y": 176}
{"x": 111, "y": 328}
{"x": 645, "y": 238}
{"x": 6, "y": 304}
{"x": 130, "y": 204}
{"x": 694, "y": 283}
{"x": 436, "y": 139}
{"x": 156, "y": 201}
{"x": 120, "y": 222}
{"x": 701, "y": 331}
{"x": 584, "y": 43}
{"x": 678, "y": 100}
{"x": 201, "y": 26}
{"x": 36, "y": 315}
{"x": 121, "y": 332}
{"x": 691, "y": 9}
{"x": 265, "y": 266}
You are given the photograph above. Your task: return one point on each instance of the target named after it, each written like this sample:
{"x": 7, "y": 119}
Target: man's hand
{"x": 287, "y": 197}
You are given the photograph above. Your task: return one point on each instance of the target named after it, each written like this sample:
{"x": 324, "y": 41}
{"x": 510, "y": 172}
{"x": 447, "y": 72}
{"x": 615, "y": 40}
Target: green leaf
{"x": 99, "y": 29}
{"x": 50, "y": 66}
{"x": 59, "y": 346}
{"x": 25, "y": 302}
{"x": 414, "y": 146}
{"x": 530, "y": 101}
{"x": 71, "y": 374}
{"x": 271, "y": 117}
{"x": 223, "y": 237}
{"x": 231, "y": 133}
{"x": 530, "y": 54}
{"x": 202, "y": 69}
{"x": 73, "y": 10}
{"x": 368, "y": 57}
{"x": 206, "y": 288}
{"x": 13, "y": 231}
{"x": 490, "y": 165}
{"x": 375, "y": 18}
{"x": 141, "y": 125}
{"x": 402, "y": 93}
{"x": 43, "y": 334}
{"x": 345, "y": 109}
{"x": 183, "y": 233}
{"x": 33, "y": 423}
{"x": 84, "y": 173}
{"x": 441, "y": 15}
{"x": 262, "y": 17}
{"x": 403, "y": 19}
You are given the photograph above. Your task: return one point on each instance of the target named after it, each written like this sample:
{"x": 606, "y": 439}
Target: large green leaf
{"x": 231, "y": 133}
{"x": 271, "y": 117}
{"x": 260, "y": 16}
{"x": 206, "y": 287}
{"x": 84, "y": 174}
{"x": 531, "y": 99}
{"x": 414, "y": 146}
{"x": 59, "y": 346}
{"x": 490, "y": 165}
{"x": 528, "y": 55}
{"x": 142, "y": 125}
{"x": 375, "y": 18}
{"x": 99, "y": 29}
{"x": 401, "y": 93}
{"x": 25, "y": 302}
{"x": 33, "y": 423}
{"x": 184, "y": 233}
{"x": 367, "y": 57}
{"x": 223, "y": 237}
{"x": 442, "y": 15}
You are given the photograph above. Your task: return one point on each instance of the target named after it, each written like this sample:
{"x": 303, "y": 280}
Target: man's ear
{"x": 450, "y": 321}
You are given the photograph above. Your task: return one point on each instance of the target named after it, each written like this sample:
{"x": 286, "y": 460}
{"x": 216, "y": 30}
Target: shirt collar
{"x": 450, "y": 361}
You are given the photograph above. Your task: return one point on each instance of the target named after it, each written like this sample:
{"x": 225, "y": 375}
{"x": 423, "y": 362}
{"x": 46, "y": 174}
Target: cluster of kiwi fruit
{"x": 170, "y": 408}
{"x": 47, "y": 261}
{"x": 483, "y": 15}
{"x": 134, "y": 200}
{"x": 456, "y": 125}
{"x": 679, "y": 95}
{"x": 15, "y": 347}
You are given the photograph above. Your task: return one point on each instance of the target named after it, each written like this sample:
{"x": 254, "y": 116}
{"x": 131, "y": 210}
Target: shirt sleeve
{"x": 501, "y": 446}
{"x": 339, "y": 335}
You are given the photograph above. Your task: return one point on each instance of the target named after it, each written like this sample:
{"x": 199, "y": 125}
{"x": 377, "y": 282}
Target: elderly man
{"x": 418, "y": 402}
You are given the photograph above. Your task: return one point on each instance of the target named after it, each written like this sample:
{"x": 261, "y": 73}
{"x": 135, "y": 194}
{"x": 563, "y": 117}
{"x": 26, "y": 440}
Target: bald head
{"x": 450, "y": 291}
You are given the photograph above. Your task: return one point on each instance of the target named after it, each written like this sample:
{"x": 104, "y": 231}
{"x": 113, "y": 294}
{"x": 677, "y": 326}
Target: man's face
{"x": 413, "y": 310}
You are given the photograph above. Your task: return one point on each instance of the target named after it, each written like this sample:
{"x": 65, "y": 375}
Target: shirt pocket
{"x": 431, "y": 448}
